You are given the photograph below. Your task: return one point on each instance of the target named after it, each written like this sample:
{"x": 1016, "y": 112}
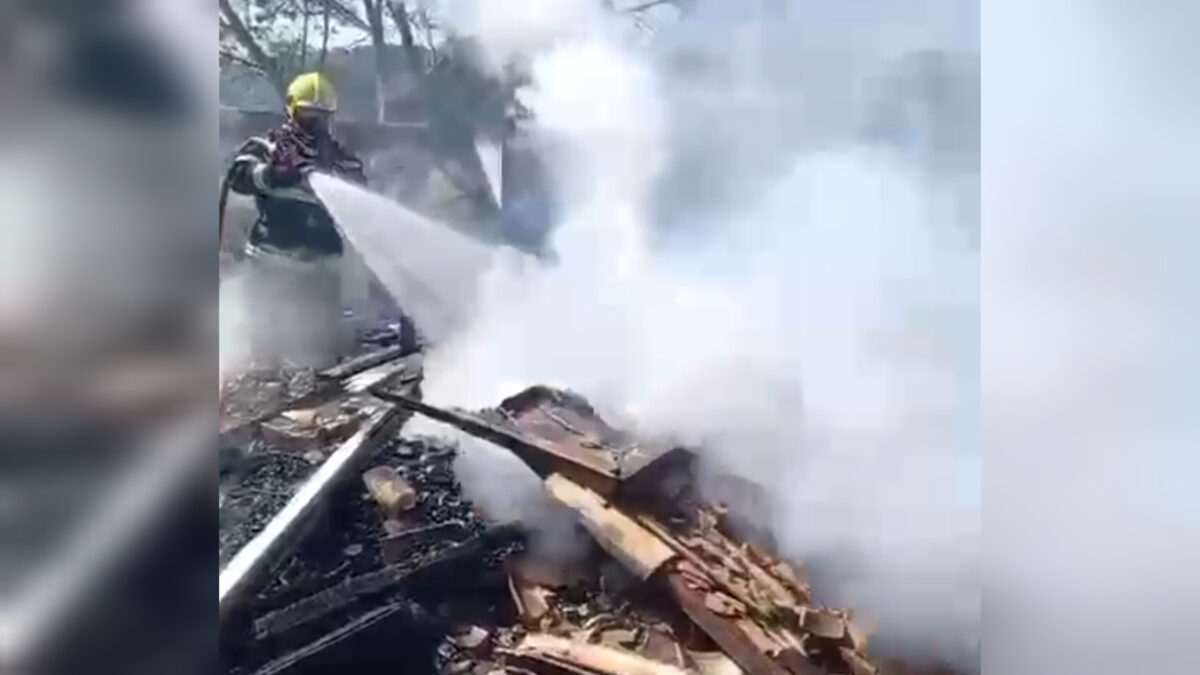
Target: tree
{"x": 274, "y": 37}
{"x": 404, "y": 25}
{"x": 374, "y": 11}
{"x": 234, "y": 30}
{"x": 325, "y": 38}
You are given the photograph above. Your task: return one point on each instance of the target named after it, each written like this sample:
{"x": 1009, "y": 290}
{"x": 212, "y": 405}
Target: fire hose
{"x": 221, "y": 202}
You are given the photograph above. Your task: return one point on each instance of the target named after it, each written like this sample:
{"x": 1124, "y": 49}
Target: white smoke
{"x": 1089, "y": 377}
{"x": 511, "y": 29}
{"x": 820, "y": 337}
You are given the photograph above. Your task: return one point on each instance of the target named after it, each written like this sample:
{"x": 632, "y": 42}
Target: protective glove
{"x": 288, "y": 169}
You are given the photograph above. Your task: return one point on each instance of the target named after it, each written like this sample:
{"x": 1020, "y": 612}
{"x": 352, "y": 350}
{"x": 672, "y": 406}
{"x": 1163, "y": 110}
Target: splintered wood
{"x": 635, "y": 547}
{"x": 530, "y": 599}
{"x": 763, "y": 602}
{"x": 595, "y": 658}
{"x": 757, "y": 609}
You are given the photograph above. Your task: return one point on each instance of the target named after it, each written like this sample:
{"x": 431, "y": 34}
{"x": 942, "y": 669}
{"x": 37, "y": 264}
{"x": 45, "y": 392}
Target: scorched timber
{"x": 354, "y": 588}
{"x": 595, "y": 470}
{"x": 590, "y": 658}
{"x": 281, "y": 530}
{"x": 334, "y": 638}
{"x": 751, "y": 605}
{"x": 364, "y": 362}
{"x": 582, "y": 448}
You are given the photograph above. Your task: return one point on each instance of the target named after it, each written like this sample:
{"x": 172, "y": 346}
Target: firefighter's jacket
{"x": 291, "y": 219}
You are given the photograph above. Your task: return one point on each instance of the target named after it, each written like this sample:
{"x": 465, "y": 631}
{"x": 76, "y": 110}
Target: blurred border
{"x": 107, "y": 336}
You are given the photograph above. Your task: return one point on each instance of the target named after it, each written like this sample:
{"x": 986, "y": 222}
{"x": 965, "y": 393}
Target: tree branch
{"x": 641, "y": 23}
{"x": 375, "y": 18}
{"x": 265, "y": 63}
{"x": 238, "y": 58}
{"x": 325, "y": 38}
{"x": 304, "y": 38}
{"x": 421, "y": 20}
{"x": 400, "y": 18}
{"x": 344, "y": 13}
{"x": 649, "y": 4}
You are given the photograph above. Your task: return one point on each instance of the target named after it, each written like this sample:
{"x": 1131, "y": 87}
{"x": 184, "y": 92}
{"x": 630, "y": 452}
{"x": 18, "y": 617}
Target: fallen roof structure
{"x": 753, "y": 606}
{"x": 403, "y": 569}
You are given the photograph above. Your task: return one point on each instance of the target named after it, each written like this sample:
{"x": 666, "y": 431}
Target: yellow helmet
{"x": 312, "y": 91}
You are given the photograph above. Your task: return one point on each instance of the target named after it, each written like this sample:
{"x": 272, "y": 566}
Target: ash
{"x": 400, "y": 628}
{"x": 255, "y": 484}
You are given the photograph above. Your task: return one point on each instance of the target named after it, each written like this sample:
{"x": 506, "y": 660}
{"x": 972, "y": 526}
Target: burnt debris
{"x": 348, "y": 580}
{"x": 393, "y": 569}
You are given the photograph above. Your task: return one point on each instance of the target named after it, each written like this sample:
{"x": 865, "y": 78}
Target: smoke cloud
{"x": 1090, "y": 366}
{"x": 813, "y": 327}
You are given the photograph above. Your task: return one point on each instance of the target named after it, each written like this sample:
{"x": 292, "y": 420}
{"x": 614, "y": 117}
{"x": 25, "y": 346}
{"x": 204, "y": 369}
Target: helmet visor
{"x": 313, "y": 119}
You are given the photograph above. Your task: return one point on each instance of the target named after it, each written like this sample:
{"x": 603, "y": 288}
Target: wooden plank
{"x": 531, "y": 601}
{"x": 635, "y": 547}
{"x": 596, "y": 470}
{"x": 593, "y": 657}
{"x": 372, "y": 618}
{"x": 724, "y": 632}
{"x": 715, "y": 663}
{"x": 697, "y": 563}
{"x": 795, "y": 662}
{"x": 662, "y": 646}
{"x": 365, "y": 362}
{"x": 859, "y": 665}
{"x": 572, "y": 427}
{"x": 400, "y": 541}
{"x": 777, "y": 591}
{"x": 353, "y": 588}
{"x": 321, "y": 394}
{"x": 823, "y": 624}
{"x": 401, "y": 371}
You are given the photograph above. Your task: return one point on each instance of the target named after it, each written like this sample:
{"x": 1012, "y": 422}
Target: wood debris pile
{"x": 404, "y": 571}
{"x": 705, "y": 588}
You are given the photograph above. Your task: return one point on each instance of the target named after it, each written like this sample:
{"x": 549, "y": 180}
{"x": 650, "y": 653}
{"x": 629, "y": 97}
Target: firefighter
{"x": 293, "y": 255}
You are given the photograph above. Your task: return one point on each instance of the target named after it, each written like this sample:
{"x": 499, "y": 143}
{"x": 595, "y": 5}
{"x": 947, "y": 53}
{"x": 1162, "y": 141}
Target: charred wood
{"x": 355, "y": 588}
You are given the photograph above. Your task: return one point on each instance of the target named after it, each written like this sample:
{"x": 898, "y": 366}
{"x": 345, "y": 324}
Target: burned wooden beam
{"x": 250, "y": 561}
{"x": 341, "y": 634}
{"x": 397, "y": 547}
{"x": 530, "y": 601}
{"x": 697, "y": 563}
{"x": 365, "y": 362}
{"x": 391, "y": 374}
{"x": 590, "y": 658}
{"x": 240, "y": 428}
{"x": 372, "y": 583}
{"x": 593, "y": 469}
{"x": 638, "y": 549}
{"x": 305, "y": 429}
{"x": 728, "y": 636}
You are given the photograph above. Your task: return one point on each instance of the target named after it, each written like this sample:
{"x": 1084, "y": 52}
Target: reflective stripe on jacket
{"x": 291, "y": 219}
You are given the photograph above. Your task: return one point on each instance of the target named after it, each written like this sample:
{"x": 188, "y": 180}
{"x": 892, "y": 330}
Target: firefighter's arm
{"x": 247, "y": 176}
{"x": 268, "y": 164}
